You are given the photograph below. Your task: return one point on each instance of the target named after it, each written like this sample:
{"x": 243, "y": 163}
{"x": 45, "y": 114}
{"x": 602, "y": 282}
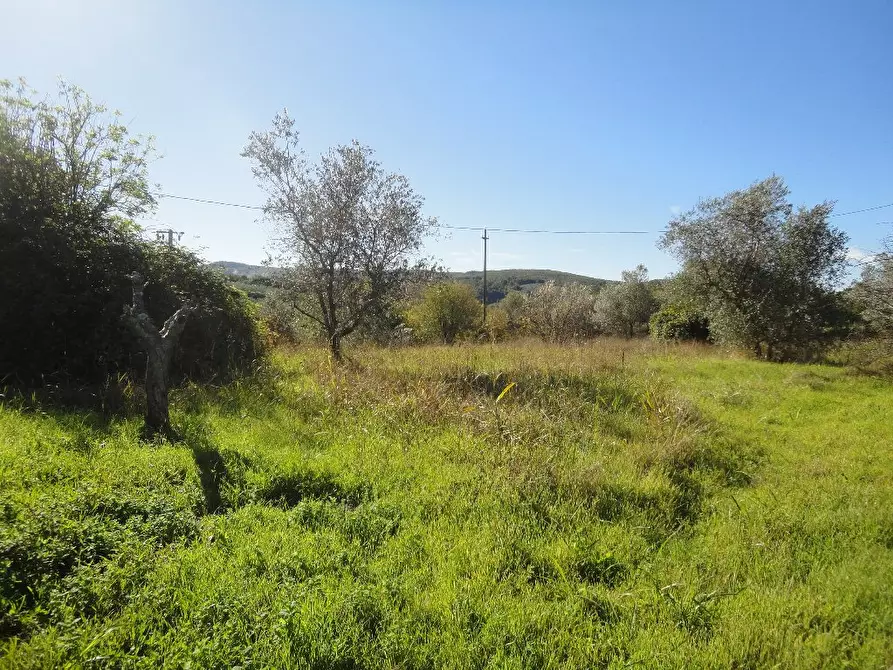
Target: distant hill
{"x": 501, "y": 282}
{"x": 255, "y": 279}
{"x": 245, "y": 269}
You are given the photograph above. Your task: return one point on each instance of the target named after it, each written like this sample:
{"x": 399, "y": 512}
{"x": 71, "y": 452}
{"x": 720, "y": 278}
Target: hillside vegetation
{"x": 502, "y": 282}
{"x": 499, "y": 282}
{"x": 612, "y": 504}
{"x": 247, "y": 270}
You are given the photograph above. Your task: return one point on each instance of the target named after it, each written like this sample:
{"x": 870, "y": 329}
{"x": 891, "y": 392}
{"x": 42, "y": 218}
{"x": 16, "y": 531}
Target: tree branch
{"x": 174, "y": 326}
{"x": 310, "y": 316}
{"x": 176, "y": 322}
{"x": 139, "y": 303}
{"x": 135, "y": 315}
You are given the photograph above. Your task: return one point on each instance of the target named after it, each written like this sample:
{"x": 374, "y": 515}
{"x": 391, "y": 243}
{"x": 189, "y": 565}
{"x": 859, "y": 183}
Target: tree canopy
{"x": 624, "y": 308}
{"x": 445, "y": 311}
{"x": 349, "y": 232}
{"x": 561, "y": 312}
{"x": 761, "y": 271}
{"x": 874, "y": 291}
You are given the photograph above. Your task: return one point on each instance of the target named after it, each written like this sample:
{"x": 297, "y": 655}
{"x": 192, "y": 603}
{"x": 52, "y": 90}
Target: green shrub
{"x": 498, "y": 325}
{"x": 679, "y": 323}
{"x": 68, "y": 245}
{"x": 445, "y": 312}
{"x": 63, "y": 326}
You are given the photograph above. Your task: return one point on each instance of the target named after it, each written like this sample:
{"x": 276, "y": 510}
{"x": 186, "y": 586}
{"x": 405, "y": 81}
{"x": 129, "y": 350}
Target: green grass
{"x": 622, "y": 505}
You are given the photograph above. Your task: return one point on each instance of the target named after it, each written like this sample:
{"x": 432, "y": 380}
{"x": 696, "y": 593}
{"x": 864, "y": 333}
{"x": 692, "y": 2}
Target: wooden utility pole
{"x": 485, "y": 238}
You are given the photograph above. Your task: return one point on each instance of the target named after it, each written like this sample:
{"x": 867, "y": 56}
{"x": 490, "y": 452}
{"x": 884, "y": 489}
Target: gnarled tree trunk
{"x": 335, "y": 347}
{"x": 159, "y": 346}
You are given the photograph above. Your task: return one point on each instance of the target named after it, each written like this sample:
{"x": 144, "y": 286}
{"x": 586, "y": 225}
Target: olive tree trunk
{"x": 160, "y": 346}
{"x": 335, "y": 347}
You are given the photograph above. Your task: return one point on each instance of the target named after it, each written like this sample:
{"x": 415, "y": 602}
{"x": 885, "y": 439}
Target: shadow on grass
{"x": 212, "y": 472}
{"x": 552, "y": 389}
{"x": 224, "y": 478}
{"x": 255, "y": 395}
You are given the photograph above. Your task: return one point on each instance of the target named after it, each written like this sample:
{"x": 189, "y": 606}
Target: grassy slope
{"x": 618, "y": 506}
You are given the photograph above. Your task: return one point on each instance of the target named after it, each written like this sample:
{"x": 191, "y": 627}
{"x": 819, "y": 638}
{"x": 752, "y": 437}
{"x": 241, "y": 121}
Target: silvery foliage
{"x": 348, "y": 232}
{"x": 763, "y": 272}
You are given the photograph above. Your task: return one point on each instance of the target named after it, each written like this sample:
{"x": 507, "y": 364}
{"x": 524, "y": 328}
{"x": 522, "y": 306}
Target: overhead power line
{"x": 867, "y": 209}
{"x": 206, "y": 201}
{"x": 221, "y": 203}
{"x": 553, "y": 232}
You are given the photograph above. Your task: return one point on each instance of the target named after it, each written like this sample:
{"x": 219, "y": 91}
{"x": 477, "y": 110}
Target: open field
{"x": 623, "y": 504}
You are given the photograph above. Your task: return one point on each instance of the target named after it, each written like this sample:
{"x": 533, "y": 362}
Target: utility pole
{"x": 485, "y": 238}
{"x": 160, "y": 235}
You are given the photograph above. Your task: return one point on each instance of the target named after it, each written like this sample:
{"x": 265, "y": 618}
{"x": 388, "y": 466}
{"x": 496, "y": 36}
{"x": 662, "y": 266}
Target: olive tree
{"x": 624, "y": 308}
{"x": 761, "y": 271}
{"x": 514, "y": 305}
{"x": 874, "y": 292}
{"x": 160, "y": 346}
{"x": 348, "y": 231}
{"x": 561, "y": 312}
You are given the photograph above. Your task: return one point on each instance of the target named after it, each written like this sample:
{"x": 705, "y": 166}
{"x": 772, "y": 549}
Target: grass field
{"x": 512, "y": 506}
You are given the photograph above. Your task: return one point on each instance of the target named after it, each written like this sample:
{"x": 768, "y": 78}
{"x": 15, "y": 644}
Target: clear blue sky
{"x": 555, "y": 115}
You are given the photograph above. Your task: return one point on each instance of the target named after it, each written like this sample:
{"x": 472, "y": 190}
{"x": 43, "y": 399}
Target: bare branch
{"x": 139, "y": 303}
{"x": 176, "y": 322}
{"x": 309, "y": 315}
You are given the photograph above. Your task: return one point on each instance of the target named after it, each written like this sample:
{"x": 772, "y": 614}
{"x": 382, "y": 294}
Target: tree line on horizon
{"x": 756, "y": 272}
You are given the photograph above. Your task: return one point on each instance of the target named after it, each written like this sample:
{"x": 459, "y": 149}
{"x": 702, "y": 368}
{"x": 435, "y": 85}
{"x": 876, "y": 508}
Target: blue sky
{"x": 597, "y": 116}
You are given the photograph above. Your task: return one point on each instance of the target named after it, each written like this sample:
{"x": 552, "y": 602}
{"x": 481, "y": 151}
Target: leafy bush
{"x": 872, "y": 295}
{"x": 67, "y": 246}
{"x": 561, "y": 312}
{"x": 498, "y": 326}
{"x": 64, "y": 327}
{"x": 280, "y": 317}
{"x": 674, "y": 322}
{"x": 514, "y": 305}
{"x": 445, "y": 312}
